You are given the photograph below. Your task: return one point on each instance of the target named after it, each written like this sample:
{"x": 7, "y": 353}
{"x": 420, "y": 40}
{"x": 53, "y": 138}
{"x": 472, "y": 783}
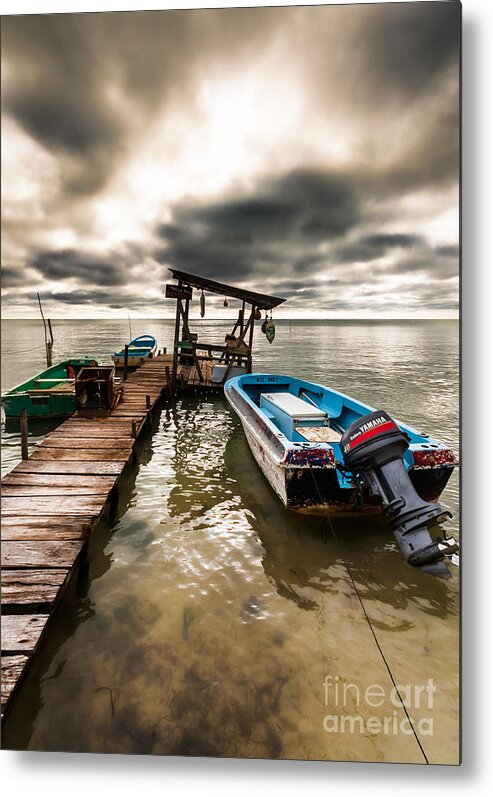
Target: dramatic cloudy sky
{"x": 309, "y": 152}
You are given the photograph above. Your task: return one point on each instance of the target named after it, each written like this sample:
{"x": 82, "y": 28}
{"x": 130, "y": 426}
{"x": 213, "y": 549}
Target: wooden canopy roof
{"x": 261, "y": 300}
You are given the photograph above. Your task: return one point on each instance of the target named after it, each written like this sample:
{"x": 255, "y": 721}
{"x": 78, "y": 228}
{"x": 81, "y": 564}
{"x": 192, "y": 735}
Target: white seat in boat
{"x": 294, "y": 407}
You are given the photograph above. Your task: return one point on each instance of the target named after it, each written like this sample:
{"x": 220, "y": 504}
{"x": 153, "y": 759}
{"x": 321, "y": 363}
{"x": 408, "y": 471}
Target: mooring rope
{"x": 24, "y": 351}
{"x": 367, "y": 618}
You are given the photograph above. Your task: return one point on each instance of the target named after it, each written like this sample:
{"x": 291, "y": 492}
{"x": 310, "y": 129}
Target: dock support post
{"x": 134, "y": 430}
{"x": 49, "y": 347}
{"x": 125, "y": 363}
{"x": 148, "y": 402}
{"x": 48, "y": 335}
{"x": 168, "y": 383}
{"x": 24, "y": 435}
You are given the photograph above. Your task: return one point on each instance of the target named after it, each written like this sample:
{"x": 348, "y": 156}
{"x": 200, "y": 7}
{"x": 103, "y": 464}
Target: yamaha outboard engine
{"x": 373, "y": 449}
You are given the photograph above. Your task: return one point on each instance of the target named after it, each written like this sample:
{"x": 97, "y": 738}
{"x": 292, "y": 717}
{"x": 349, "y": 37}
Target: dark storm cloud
{"x": 87, "y": 268}
{"x": 397, "y": 79}
{"x": 449, "y": 250}
{"x": 433, "y": 261}
{"x": 114, "y": 299}
{"x": 372, "y": 247}
{"x": 82, "y": 297}
{"x": 88, "y": 88}
{"x": 13, "y": 277}
{"x": 55, "y": 90}
{"x": 408, "y": 46}
{"x": 83, "y": 85}
{"x": 117, "y": 268}
{"x": 267, "y": 228}
{"x": 429, "y": 295}
{"x": 292, "y": 287}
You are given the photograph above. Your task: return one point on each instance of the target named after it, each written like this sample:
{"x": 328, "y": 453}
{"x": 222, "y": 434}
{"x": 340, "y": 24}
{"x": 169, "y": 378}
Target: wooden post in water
{"x": 148, "y": 402}
{"x": 24, "y": 435}
{"x": 49, "y": 347}
{"x": 134, "y": 430}
{"x": 125, "y": 363}
{"x": 169, "y": 384}
{"x": 48, "y": 337}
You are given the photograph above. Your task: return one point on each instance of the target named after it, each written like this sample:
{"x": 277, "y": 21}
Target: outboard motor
{"x": 373, "y": 449}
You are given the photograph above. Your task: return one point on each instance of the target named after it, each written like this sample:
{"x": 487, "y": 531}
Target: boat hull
{"x": 139, "y": 350}
{"x": 133, "y": 361}
{"x": 39, "y": 406}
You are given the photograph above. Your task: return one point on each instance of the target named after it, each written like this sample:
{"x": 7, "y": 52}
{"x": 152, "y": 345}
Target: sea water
{"x": 212, "y": 620}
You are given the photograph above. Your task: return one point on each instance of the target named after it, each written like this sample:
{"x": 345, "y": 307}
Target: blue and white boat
{"x": 324, "y": 452}
{"x": 294, "y": 428}
{"x": 139, "y": 350}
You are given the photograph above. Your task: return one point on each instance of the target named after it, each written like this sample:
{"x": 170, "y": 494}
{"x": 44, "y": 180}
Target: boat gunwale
{"x": 16, "y": 390}
{"x": 139, "y": 351}
{"x": 426, "y": 444}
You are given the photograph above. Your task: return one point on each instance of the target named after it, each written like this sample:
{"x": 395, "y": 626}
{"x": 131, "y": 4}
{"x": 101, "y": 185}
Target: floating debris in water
{"x": 187, "y": 621}
{"x": 252, "y": 605}
{"x": 278, "y": 639}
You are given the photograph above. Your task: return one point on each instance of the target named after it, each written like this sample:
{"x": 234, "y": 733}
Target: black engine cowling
{"x": 373, "y": 448}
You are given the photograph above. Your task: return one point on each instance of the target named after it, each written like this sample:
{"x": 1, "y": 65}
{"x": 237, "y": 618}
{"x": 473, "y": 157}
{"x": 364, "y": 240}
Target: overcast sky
{"x": 308, "y": 152}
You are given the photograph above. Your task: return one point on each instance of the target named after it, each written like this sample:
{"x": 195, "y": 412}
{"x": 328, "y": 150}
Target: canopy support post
{"x": 177, "y": 338}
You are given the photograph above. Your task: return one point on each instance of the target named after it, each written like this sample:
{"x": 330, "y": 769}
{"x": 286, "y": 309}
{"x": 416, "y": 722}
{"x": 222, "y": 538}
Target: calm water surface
{"x": 211, "y": 616}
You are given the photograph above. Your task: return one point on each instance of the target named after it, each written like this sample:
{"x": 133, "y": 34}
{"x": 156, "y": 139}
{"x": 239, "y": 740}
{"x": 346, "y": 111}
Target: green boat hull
{"x": 39, "y": 396}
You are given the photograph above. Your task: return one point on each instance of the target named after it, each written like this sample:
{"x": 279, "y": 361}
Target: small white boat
{"x": 139, "y": 350}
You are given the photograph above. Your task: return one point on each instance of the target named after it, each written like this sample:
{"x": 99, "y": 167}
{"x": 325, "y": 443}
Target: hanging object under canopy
{"x": 202, "y": 304}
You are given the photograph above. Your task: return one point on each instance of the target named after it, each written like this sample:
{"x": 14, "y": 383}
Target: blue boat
{"x": 140, "y": 349}
{"x": 324, "y": 452}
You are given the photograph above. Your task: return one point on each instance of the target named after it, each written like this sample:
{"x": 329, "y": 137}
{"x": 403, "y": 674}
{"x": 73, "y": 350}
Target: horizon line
{"x": 201, "y": 320}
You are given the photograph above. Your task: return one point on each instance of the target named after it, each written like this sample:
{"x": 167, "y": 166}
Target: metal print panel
{"x": 230, "y": 383}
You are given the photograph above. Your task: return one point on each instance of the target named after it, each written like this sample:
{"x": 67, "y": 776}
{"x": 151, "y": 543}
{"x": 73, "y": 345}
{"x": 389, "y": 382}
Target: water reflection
{"x": 303, "y": 557}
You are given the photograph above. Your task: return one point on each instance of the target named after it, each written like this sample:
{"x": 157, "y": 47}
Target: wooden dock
{"x": 51, "y": 503}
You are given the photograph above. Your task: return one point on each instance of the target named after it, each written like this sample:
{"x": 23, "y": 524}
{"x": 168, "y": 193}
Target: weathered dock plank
{"x": 12, "y": 667}
{"x": 21, "y": 632}
{"x": 104, "y": 421}
{"x": 50, "y": 505}
{"x": 94, "y": 467}
{"x": 81, "y": 455}
{"x": 45, "y": 531}
{"x": 13, "y": 521}
{"x": 40, "y": 553}
{"x": 68, "y": 443}
{"x": 98, "y": 483}
{"x": 80, "y": 431}
{"x": 32, "y": 587}
{"x": 45, "y": 490}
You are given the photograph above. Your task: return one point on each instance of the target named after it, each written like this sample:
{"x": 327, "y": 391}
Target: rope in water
{"x": 24, "y": 351}
{"x": 367, "y": 618}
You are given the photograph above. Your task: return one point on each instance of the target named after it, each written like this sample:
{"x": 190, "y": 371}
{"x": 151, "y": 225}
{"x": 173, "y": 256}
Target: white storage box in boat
{"x": 290, "y": 411}
{"x": 219, "y": 370}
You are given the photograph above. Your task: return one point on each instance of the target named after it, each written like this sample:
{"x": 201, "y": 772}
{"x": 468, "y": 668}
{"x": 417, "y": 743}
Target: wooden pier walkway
{"x": 51, "y": 503}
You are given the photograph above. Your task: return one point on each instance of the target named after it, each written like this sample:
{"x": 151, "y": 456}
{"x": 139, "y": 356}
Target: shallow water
{"x": 211, "y": 616}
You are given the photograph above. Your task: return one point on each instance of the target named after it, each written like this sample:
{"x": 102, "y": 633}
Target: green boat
{"x": 50, "y": 394}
